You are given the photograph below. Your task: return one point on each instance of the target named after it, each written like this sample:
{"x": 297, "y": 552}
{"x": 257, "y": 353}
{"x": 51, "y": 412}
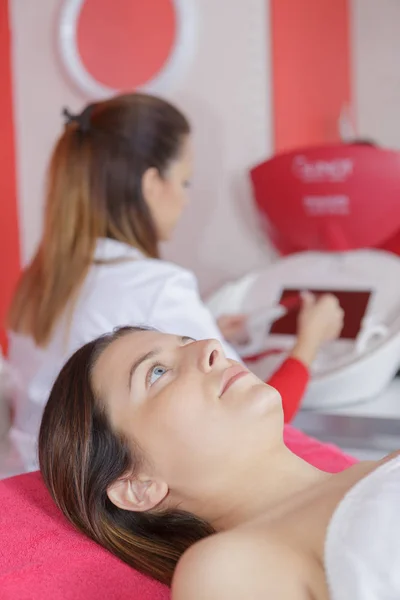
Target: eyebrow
{"x": 145, "y": 357}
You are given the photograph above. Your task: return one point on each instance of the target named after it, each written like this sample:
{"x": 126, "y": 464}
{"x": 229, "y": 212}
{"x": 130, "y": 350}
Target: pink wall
{"x": 311, "y": 70}
{"x": 9, "y": 245}
{"x": 376, "y": 73}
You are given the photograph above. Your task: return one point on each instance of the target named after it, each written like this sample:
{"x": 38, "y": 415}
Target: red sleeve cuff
{"x": 291, "y": 380}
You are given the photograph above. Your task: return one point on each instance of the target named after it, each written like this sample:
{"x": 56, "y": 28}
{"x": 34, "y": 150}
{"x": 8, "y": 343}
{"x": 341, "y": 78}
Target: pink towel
{"x": 326, "y": 457}
{"x": 42, "y": 557}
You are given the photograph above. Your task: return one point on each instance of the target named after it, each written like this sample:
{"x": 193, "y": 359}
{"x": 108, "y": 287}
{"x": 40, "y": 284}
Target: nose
{"x": 209, "y": 355}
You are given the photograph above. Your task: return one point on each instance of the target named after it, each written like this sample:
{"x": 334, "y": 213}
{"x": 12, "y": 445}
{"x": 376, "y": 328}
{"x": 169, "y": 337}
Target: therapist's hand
{"x": 233, "y": 328}
{"x": 320, "y": 320}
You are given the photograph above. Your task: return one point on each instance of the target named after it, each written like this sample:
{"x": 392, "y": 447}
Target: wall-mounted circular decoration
{"x": 109, "y": 46}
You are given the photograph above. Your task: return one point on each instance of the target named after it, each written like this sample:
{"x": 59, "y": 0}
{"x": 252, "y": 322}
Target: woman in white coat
{"x": 117, "y": 185}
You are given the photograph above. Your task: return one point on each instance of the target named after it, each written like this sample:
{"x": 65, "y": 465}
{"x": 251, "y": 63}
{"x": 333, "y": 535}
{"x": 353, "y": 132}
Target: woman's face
{"x": 200, "y": 419}
{"x": 167, "y": 194}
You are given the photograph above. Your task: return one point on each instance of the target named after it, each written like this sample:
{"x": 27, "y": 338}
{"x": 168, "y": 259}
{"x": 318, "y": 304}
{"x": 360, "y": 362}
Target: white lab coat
{"x": 130, "y": 290}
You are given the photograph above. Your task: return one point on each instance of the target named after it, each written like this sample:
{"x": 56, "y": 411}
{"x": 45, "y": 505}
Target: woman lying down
{"x": 171, "y": 456}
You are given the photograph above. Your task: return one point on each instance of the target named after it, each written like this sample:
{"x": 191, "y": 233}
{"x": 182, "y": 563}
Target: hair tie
{"x": 82, "y": 119}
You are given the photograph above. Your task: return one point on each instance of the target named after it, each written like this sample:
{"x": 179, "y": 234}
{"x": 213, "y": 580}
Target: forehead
{"x": 113, "y": 364}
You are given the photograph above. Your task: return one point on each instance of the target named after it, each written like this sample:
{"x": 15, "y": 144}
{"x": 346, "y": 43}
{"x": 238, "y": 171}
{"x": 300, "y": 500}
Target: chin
{"x": 264, "y": 399}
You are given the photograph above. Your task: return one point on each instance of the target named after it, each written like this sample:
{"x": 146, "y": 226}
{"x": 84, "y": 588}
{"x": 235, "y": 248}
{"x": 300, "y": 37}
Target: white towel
{"x": 362, "y": 550}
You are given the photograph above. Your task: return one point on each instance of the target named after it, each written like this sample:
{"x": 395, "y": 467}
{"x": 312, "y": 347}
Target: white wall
{"x": 376, "y": 69}
{"x": 227, "y": 96}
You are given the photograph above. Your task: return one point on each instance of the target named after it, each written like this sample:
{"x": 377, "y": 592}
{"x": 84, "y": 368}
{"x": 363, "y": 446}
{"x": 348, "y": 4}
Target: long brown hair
{"x": 95, "y": 190}
{"x": 81, "y": 456}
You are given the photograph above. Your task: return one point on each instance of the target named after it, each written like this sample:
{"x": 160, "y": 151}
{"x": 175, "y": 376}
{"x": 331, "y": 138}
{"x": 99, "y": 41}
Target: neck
{"x": 284, "y": 480}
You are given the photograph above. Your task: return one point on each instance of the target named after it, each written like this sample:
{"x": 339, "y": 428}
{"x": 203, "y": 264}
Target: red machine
{"x": 332, "y": 198}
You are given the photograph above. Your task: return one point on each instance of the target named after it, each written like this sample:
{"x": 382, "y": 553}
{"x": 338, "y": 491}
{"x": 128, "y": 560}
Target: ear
{"x": 151, "y": 185}
{"x": 137, "y": 493}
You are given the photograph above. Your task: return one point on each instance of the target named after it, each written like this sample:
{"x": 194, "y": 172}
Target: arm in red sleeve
{"x": 291, "y": 380}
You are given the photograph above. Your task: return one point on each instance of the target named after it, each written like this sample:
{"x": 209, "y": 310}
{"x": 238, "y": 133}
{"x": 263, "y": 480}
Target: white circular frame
{"x": 175, "y": 66}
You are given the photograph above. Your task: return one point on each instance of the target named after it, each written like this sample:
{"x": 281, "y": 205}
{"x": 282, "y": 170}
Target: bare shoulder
{"x": 238, "y": 566}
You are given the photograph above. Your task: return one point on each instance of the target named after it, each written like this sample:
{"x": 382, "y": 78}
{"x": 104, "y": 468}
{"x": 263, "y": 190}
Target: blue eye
{"x": 155, "y": 373}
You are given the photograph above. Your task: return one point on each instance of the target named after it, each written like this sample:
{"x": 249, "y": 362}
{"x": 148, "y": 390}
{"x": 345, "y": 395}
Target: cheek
{"x": 172, "y": 206}
{"x": 177, "y": 196}
{"x": 174, "y": 425}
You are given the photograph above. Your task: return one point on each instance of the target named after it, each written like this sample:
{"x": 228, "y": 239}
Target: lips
{"x": 232, "y": 374}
